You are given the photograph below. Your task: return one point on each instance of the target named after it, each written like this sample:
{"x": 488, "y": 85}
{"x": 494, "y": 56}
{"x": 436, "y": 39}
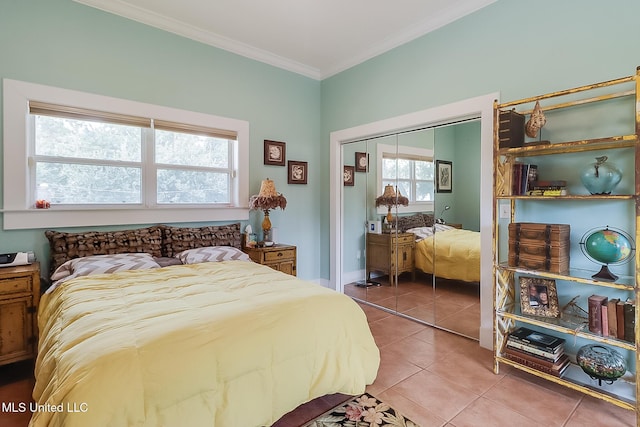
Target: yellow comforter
{"x": 457, "y": 255}
{"x": 221, "y": 344}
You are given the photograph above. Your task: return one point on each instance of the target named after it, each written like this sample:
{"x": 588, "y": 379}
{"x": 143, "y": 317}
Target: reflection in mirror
{"x": 431, "y": 286}
{"x": 457, "y": 236}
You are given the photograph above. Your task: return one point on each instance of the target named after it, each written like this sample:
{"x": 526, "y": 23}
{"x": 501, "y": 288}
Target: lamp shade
{"x": 268, "y": 198}
{"x": 390, "y": 199}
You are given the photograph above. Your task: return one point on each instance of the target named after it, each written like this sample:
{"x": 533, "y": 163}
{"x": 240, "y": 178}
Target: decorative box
{"x": 538, "y": 246}
{"x": 511, "y": 129}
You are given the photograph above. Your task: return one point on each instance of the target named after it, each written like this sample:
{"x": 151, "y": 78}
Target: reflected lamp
{"x": 390, "y": 198}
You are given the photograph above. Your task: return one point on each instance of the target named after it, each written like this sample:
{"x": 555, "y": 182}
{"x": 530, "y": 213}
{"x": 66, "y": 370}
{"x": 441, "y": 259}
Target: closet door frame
{"x": 478, "y": 107}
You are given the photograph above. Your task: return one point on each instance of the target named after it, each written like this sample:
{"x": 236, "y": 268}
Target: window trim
{"x": 17, "y": 214}
{"x": 407, "y": 152}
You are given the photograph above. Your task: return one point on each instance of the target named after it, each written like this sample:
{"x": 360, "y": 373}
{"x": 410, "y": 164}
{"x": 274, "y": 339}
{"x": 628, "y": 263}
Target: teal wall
{"x": 65, "y": 44}
{"x": 517, "y": 47}
{"x": 460, "y": 144}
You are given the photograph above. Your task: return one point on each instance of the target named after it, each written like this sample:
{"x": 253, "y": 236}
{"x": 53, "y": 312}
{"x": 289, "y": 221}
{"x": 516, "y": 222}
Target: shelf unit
{"x": 507, "y": 314}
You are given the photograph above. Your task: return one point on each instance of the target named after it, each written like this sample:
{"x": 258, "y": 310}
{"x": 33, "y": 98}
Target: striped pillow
{"x": 99, "y": 264}
{"x": 212, "y": 254}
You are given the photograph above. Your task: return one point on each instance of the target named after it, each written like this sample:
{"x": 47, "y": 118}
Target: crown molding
{"x": 180, "y": 28}
{"x": 451, "y": 13}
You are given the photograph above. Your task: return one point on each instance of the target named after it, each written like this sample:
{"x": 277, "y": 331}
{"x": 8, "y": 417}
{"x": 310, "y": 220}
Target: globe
{"x": 607, "y": 246}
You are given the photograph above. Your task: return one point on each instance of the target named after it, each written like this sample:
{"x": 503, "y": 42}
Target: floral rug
{"x": 362, "y": 411}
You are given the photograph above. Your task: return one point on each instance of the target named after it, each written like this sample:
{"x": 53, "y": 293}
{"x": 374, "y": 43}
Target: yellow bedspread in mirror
{"x": 457, "y": 255}
{"x": 222, "y": 344}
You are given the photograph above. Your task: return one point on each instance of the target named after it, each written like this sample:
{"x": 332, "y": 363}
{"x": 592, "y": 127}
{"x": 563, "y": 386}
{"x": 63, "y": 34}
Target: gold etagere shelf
{"x": 507, "y": 315}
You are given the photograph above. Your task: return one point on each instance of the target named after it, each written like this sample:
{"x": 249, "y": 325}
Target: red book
{"x": 595, "y": 313}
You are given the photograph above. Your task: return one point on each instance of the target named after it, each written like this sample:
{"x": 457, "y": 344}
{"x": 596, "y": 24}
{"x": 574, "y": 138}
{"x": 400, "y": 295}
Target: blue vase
{"x": 600, "y": 177}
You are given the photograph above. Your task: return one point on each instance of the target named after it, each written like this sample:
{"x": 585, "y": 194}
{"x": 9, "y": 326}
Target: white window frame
{"x": 17, "y": 210}
{"x": 399, "y": 151}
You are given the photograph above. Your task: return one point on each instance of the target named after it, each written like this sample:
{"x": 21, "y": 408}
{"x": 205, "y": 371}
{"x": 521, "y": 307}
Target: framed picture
{"x": 348, "y": 175}
{"x": 274, "y": 153}
{"x": 362, "y": 162}
{"x": 539, "y": 297}
{"x": 297, "y": 172}
{"x": 444, "y": 176}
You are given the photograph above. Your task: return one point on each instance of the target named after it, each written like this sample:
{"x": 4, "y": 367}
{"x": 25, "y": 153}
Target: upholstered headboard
{"x": 158, "y": 241}
{"x": 413, "y": 221}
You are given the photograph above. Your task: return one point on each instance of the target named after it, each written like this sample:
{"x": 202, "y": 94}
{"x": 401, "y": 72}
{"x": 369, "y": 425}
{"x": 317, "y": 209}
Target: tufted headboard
{"x": 158, "y": 241}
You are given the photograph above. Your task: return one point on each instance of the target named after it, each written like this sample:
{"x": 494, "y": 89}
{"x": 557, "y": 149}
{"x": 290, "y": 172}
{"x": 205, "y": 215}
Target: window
{"x": 143, "y": 163}
{"x": 414, "y": 177}
{"x": 411, "y": 169}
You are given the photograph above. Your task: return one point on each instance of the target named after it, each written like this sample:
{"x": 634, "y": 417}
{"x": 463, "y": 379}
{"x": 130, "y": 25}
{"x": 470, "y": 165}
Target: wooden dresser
{"x": 19, "y": 298}
{"x": 390, "y": 253}
{"x": 280, "y": 257}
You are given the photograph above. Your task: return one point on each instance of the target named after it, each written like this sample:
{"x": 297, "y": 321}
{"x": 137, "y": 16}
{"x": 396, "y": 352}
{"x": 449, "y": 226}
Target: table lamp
{"x": 267, "y": 199}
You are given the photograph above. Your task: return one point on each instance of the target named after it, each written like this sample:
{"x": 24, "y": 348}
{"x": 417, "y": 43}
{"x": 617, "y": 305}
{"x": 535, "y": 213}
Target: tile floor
{"x": 434, "y": 377}
{"x": 452, "y": 304}
{"x": 440, "y": 379}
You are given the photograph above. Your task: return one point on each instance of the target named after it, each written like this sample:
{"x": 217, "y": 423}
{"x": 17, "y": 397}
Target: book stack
{"x": 547, "y": 188}
{"x": 612, "y": 317}
{"x": 522, "y": 176}
{"x": 537, "y": 350}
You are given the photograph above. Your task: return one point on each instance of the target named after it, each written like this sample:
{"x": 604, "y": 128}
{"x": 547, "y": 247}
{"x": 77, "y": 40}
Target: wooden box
{"x": 510, "y": 129}
{"x": 539, "y": 246}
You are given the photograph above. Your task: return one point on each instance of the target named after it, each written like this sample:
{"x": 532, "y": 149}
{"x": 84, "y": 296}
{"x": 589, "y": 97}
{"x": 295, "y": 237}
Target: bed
{"x": 213, "y": 339}
{"x": 454, "y": 252}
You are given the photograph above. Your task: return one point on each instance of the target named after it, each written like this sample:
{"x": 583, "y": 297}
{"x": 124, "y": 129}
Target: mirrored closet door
{"x": 396, "y": 177}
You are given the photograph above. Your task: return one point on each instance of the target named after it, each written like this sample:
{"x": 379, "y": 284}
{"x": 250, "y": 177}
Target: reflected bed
{"x": 454, "y": 252}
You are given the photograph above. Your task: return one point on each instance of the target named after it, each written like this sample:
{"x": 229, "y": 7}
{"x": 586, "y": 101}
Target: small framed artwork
{"x": 444, "y": 176}
{"x": 362, "y": 162}
{"x": 539, "y": 297}
{"x": 297, "y": 173}
{"x": 348, "y": 176}
{"x": 274, "y": 153}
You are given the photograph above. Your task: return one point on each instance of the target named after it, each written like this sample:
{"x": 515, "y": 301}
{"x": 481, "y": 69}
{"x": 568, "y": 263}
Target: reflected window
{"x": 413, "y": 176}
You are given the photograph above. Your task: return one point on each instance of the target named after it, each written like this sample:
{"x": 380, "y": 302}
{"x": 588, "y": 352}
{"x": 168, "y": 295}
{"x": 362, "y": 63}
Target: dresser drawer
{"x": 15, "y": 284}
{"x": 279, "y": 255}
{"x": 403, "y": 239}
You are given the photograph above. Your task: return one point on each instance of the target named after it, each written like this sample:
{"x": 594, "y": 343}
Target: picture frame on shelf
{"x": 539, "y": 297}
{"x": 274, "y": 152}
{"x": 348, "y": 176}
{"x": 297, "y": 172}
{"x": 444, "y": 176}
{"x": 362, "y": 162}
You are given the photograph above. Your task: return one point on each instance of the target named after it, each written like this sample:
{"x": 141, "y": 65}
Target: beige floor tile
{"x": 394, "y": 328}
{"x": 483, "y": 412}
{"x": 598, "y": 413}
{"x": 393, "y": 370}
{"x": 413, "y": 351}
{"x": 473, "y": 371}
{"x": 538, "y": 403}
{"x": 416, "y": 413}
{"x": 441, "y": 396}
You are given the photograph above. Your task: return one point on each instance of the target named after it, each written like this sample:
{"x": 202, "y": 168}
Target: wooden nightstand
{"x": 390, "y": 253}
{"x": 280, "y": 257}
{"x": 19, "y": 298}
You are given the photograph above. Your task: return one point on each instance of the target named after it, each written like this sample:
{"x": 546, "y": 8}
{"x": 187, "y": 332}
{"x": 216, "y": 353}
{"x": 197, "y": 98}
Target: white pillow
{"x": 424, "y": 232}
{"x": 98, "y": 264}
{"x": 212, "y": 254}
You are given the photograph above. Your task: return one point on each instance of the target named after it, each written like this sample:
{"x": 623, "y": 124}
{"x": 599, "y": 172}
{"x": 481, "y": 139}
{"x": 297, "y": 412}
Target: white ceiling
{"x": 315, "y": 38}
